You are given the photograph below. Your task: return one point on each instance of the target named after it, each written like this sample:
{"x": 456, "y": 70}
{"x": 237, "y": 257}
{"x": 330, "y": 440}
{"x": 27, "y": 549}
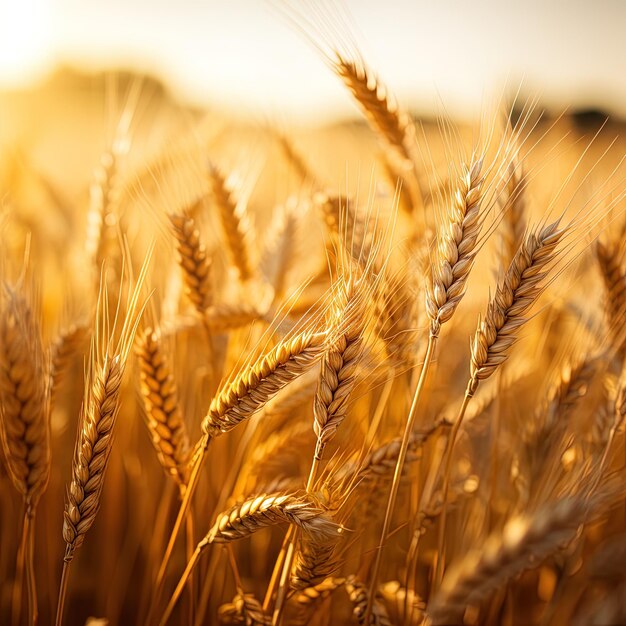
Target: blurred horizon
{"x": 244, "y": 55}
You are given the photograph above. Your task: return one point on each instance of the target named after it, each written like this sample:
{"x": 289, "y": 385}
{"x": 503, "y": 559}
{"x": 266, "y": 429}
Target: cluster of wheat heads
{"x": 403, "y": 406}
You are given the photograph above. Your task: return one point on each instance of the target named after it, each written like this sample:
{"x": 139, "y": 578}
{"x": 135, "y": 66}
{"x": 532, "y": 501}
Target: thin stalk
{"x": 189, "y": 545}
{"x": 494, "y": 436}
{"x": 393, "y": 494}
{"x": 233, "y": 566}
{"x": 181, "y": 585}
{"x": 18, "y": 585}
{"x": 283, "y": 586}
{"x": 230, "y": 487}
{"x": 31, "y": 586}
{"x": 182, "y": 512}
{"x": 62, "y": 592}
{"x": 170, "y": 498}
{"x": 207, "y": 585}
{"x": 446, "y": 485}
{"x": 278, "y": 568}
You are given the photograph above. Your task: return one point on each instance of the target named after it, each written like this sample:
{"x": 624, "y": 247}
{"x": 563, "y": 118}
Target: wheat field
{"x": 365, "y": 373}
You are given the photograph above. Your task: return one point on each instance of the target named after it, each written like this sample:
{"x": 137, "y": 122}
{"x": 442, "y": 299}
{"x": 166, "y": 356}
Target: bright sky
{"x": 243, "y": 53}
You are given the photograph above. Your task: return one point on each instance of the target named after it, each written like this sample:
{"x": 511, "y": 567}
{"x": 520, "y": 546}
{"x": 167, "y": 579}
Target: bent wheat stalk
{"x": 252, "y": 515}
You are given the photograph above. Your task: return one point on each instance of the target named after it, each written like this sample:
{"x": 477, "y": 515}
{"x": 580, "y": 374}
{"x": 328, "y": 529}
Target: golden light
{"x": 24, "y": 41}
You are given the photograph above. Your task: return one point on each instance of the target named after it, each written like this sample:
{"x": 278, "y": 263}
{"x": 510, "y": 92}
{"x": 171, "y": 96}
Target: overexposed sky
{"x": 243, "y": 53}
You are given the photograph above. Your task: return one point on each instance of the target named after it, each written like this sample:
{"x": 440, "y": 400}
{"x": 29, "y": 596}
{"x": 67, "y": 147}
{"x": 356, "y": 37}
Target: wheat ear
{"x": 516, "y": 293}
{"x": 265, "y": 510}
{"x": 339, "y": 366}
{"x": 250, "y": 389}
{"x": 362, "y": 603}
{"x": 68, "y": 343}
{"x": 194, "y": 261}
{"x": 101, "y": 405}
{"x": 513, "y": 227}
{"x": 244, "y": 609}
{"x": 295, "y": 159}
{"x": 303, "y": 603}
{"x": 161, "y": 408}
{"x": 24, "y": 424}
{"x": 456, "y": 248}
{"x": 247, "y": 518}
{"x": 525, "y": 543}
{"x": 221, "y": 318}
{"x": 393, "y": 125}
{"x": 315, "y": 561}
{"x": 609, "y": 259}
{"x": 234, "y": 222}
{"x": 24, "y": 427}
{"x": 242, "y": 395}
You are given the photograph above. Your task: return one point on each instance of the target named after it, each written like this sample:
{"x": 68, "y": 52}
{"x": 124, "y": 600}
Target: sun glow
{"x": 24, "y": 41}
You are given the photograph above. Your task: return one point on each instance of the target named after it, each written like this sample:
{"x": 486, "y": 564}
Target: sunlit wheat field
{"x": 368, "y": 370}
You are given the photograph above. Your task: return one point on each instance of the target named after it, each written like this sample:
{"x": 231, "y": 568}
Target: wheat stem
{"x": 446, "y": 486}
{"x": 393, "y": 493}
{"x": 180, "y": 518}
{"x": 31, "y": 586}
{"x": 18, "y": 584}
{"x": 180, "y": 586}
{"x": 290, "y": 540}
{"x": 63, "y": 592}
